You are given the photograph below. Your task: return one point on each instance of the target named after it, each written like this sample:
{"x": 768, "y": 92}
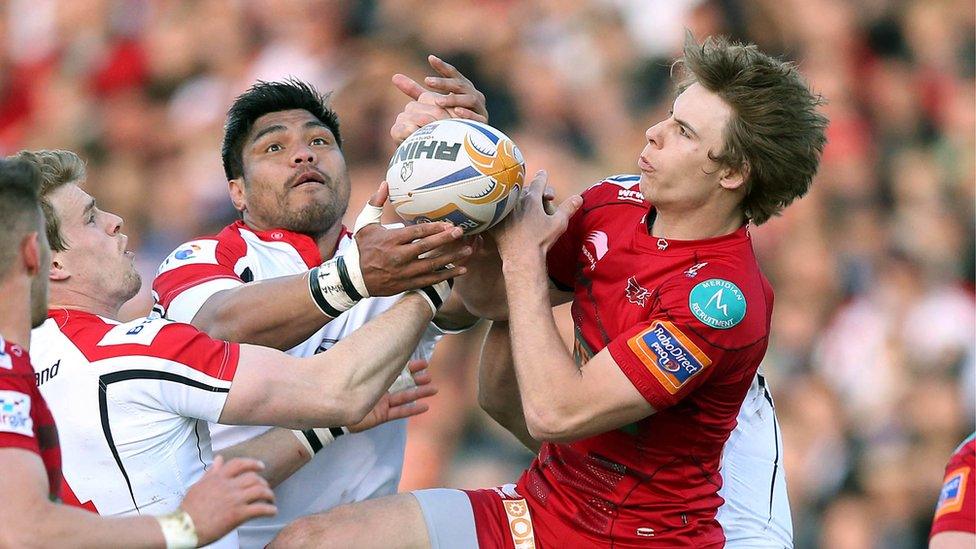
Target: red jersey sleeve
{"x": 682, "y": 345}
{"x": 193, "y": 272}
{"x": 25, "y": 420}
{"x": 956, "y": 509}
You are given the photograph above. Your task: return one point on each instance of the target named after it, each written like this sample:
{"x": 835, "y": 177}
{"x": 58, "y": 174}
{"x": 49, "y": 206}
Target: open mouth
{"x": 308, "y": 178}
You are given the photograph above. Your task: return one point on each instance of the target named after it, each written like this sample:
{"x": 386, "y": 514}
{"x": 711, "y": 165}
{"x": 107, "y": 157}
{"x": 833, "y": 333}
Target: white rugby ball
{"x": 456, "y": 170}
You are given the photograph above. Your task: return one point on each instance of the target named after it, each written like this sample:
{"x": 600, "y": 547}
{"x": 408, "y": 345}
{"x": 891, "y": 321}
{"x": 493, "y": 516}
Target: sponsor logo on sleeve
{"x": 191, "y": 253}
{"x": 717, "y": 303}
{"x": 953, "y": 492}
{"x": 669, "y": 354}
{"x": 15, "y": 413}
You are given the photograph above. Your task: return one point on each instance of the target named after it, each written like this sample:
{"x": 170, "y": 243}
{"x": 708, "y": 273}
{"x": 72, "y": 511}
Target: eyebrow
{"x": 280, "y": 128}
{"x": 88, "y": 208}
{"x": 686, "y": 126}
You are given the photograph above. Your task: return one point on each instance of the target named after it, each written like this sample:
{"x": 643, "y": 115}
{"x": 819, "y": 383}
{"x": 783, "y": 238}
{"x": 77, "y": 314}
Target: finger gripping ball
{"x": 460, "y": 171}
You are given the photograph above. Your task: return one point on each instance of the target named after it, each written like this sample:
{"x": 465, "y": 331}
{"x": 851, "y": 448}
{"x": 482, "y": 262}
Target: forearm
{"x": 498, "y": 391}
{"x": 548, "y": 378}
{"x": 279, "y": 450}
{"x": 362, "y": 366}
{"x": 277, "y": 313}
{"x": 55, "y": 525}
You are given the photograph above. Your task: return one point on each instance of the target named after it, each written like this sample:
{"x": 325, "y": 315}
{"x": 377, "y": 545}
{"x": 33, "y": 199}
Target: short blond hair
{"x": 57, "y": 168}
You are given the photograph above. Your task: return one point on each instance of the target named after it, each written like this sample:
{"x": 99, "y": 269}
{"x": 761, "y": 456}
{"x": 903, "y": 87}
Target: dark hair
{"x": 56, "y": 168}
{"x": 268, "y": 97}
{"x": 20, "y": 184}
{"x": 775, "y": 133}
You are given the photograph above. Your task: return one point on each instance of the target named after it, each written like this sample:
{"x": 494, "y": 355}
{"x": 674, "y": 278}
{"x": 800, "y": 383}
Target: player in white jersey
{"x": 132, "y": 399}
{"x": 249, "y": 283}
{"x": 30, "y": 456}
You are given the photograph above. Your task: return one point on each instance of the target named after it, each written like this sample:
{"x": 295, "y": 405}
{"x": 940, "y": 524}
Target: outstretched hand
{"x": 450, "y": 95}
{"x": 530, "y": 227}
{"x": 400, "y": 259}
{"x": 401, "y": 403}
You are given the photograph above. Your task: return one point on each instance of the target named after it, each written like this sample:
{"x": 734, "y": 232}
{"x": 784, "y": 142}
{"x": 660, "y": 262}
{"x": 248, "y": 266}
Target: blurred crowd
{"x": 871, "y": 361}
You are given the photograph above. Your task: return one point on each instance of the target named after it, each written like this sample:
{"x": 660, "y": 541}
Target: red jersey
{"x": 25, "y": 420}
{"x": 956, "y": 510}
{"x": 688, "y": 323}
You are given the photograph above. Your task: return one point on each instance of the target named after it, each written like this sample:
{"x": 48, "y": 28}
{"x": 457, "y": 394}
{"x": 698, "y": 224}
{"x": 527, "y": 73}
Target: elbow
{"x": 549, "y": 424}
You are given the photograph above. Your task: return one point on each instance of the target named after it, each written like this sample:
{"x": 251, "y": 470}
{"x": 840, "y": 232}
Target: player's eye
{"x": 274, "y": 147}
{"x": 682, "y": 131}
{"x": 91, "y": 218}
{"x": 318, "y": 141}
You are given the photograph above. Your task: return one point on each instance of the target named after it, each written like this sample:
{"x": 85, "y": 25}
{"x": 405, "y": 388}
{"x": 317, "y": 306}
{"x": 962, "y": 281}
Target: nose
{"x": 654, "y": 135}
{"x": 304, "y": 154}
{"x": 115, "y": 224}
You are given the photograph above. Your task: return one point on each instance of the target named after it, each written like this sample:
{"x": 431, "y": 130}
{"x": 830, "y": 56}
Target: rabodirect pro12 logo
{"x": 717, "y": 303}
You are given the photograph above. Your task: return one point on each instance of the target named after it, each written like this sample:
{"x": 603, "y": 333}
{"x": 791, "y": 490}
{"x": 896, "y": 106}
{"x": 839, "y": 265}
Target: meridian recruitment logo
{"x": 717, "y": 303}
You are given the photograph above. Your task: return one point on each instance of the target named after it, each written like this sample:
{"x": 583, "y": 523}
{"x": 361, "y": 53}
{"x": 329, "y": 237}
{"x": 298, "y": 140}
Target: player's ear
{"x": 236, "y": 188}
{"x": 58, "y": 271}
{"x": 735, "y": 177}
{"x": 30, "y": 253}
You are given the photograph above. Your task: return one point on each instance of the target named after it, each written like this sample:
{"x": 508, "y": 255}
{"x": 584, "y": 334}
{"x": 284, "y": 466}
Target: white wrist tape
{"x": 437, "y": 294}
{"x": 315, "y": 439}
{"x": 370, "y": 214}
{"x": 332, "y": 288}
{"x": 178, "y": 530}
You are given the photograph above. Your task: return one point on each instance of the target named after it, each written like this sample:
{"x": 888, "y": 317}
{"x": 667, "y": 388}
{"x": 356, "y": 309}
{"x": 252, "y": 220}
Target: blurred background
{"x": 872, "y": 355}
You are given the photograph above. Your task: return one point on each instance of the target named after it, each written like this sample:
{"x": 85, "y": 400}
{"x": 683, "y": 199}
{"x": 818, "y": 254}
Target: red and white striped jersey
{"x": 357, "y": 466}
{"x": 132, "y": 401}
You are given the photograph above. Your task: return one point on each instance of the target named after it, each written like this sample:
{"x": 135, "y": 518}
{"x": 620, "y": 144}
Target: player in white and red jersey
{"x": 249, "y": 283}
{"x": 672, "y": 316}
{"x": 30, "y": 456}
{"x": 133, "y": 398}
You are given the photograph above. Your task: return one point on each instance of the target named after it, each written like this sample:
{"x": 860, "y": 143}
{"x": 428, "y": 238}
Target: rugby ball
{"x": 456, "y": 170}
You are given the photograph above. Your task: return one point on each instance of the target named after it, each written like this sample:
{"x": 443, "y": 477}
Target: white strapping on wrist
{"x": 315, "y": 439}
{"x": 178, "y": 530}
{"x": 331, "y": 289}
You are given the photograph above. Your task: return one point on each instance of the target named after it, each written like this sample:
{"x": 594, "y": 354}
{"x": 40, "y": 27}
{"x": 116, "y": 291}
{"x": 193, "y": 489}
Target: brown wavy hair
{"x": 776, "y": 133}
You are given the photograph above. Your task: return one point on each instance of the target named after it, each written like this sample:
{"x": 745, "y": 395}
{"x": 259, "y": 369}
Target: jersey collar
{"x": 651, "y": 243}
{"x": 303, "y": 244}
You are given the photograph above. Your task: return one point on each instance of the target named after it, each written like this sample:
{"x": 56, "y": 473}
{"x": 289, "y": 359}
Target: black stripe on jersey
{"x": 126, "y": 375}
{"x": 772, "y": 481}
{"x": 313, "y": 440}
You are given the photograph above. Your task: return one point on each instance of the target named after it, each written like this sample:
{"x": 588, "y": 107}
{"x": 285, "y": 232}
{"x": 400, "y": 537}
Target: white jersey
{"x": 356, "y": 466}
{"x": 756, "y": 512}
{"x": 131, "y": 402}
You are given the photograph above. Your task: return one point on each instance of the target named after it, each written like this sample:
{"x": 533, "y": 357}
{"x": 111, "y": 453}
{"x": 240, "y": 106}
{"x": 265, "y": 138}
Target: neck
{"x": 69, "y": 298}
{"x": 699, "y": 224}
{"x": 15, "y": 311}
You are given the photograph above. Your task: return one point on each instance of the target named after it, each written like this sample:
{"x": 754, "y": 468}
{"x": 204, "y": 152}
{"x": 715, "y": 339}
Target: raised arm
{"x": 498, "y": 391}
{"x": 228, "y": 495}
{"x": 336, "y": 387}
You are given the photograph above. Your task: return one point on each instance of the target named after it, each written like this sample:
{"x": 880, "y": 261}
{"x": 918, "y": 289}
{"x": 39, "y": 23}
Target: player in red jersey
{"x": 30, "y": 456}
{"x": 954, "y": 525}
{"x": 672, "y": 316}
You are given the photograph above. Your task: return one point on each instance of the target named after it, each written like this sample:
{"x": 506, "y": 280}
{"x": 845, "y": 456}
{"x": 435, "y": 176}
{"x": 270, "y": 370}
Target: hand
{"x": 228, "y": 495}
{"x": 401, "y": 403}
{"x": 451, "y": 95}
{"x": 529, "y": 227}
{"x": 390, "y": 259}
